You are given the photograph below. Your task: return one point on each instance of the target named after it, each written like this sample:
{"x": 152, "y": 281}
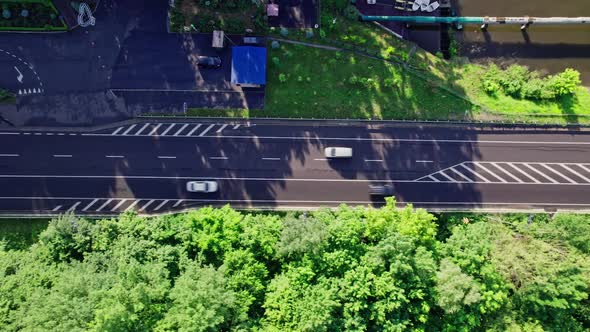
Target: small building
{"x": 248, "y": 66}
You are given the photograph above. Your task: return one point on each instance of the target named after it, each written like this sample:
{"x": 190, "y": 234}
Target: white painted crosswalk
{"x": 116, "y": 205}
{"x": 175, "y": 129}
{"x": 512, "y": 173}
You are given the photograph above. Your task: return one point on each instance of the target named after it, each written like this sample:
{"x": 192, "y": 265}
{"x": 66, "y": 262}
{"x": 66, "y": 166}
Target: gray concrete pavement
{"x": 272, "y": 164}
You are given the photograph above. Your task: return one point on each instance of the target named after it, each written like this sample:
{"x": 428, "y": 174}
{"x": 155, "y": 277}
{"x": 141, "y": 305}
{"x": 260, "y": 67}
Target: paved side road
{"x": 145, "y": 166}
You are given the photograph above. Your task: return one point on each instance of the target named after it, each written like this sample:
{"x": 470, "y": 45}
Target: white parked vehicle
{"x": 338, "y": 152}
{"x": 201, "y": 186}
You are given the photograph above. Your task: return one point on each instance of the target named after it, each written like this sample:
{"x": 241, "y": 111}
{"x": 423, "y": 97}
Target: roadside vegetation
{"x": 30, "y": 15}
{"x": 353, "y": 269}
{"x": 6, "y": 97}
{"x": 232, "y": 16}
{"x": 374, "y": 75}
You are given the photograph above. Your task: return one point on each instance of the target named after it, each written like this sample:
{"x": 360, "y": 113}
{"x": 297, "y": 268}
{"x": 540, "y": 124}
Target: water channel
{"x": 546, "y": 48}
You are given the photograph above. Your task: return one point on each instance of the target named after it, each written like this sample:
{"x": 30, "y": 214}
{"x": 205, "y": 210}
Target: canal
{"x": 547, "y": 48}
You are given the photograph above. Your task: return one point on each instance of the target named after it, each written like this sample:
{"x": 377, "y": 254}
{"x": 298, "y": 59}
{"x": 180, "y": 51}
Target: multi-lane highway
{"x": 145, "y": 165}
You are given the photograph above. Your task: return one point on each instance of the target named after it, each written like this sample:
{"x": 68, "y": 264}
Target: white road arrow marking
{"x": 20, "y": 75}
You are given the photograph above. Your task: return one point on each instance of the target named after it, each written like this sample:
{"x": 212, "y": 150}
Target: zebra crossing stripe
{"x": 142, "y": 128}
{"x": 193, "y": 130}
{"x": 461, "y": 174}
{"x": 446, "y": 176}
{"x": 129, "y": 129}
{"x": 168, "y": 129}
{"x": 56, "y": 208}
{"x": 206, "y": 130}
{"x": 507, "y": 173}
{"x": 146, "y": 205}
{"x": 474, "y": 173}
{"x": 576, "y": 173}
{"x": 160, "y": 205}
{"x": 155, "y": 129}
{"x": 74, "y": 206}
{"x": 117, "y": 131}
{"x": 433, "y": 178}
{"x": 221, "y": 129}
{"x": 541, "y": 174}
{"x": 178, "y": 203}
{"x": 556, "y": 172}
{"x": 493, "y": 174}
{"x": 118, "y": 205}
{"x": 523, "y": 173}
{"x": 89, "y": 205}
{"x": 181, "y": 129}
{"x": 105, "y": 204}
{"x": 131, "y": 206}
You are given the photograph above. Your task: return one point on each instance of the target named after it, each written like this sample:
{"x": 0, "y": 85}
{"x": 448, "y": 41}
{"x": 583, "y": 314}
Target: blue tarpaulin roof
{"x": 248, "y": 65}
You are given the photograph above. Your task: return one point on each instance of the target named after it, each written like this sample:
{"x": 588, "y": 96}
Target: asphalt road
{"x": 145, "y": 166}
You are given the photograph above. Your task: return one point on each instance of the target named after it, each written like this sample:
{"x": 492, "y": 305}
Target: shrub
{"x": 309, "y": 33}
{"x": 351, "y": 13}
{"x": 6, "y": 14}
{"x": 284, "y": 32}
{"x": 513, "y": 79}
{"x": 322, "y": 33}
{"x": 275, "y": 44}
{"x": 276, "y": 61}
{"x": 24, "y": 13}
{"x": 565, "y": 83}
{"x": 282, "y": 78}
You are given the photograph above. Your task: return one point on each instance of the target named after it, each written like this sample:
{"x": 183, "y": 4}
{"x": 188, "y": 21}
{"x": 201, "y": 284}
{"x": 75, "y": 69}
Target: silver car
{"x": 201, "y": 186}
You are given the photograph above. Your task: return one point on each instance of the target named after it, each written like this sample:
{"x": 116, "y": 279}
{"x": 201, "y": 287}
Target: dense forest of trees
{"x": 353, "y": 269}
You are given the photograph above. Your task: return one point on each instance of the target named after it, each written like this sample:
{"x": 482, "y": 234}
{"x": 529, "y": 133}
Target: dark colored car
{"x": 209, "y": 61}
{"x": 381, "y": 190}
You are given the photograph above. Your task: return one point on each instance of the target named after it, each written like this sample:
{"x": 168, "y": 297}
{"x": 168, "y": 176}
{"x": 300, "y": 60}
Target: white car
{"x": 338, "y": 152}
{"x": 201, "y": 186}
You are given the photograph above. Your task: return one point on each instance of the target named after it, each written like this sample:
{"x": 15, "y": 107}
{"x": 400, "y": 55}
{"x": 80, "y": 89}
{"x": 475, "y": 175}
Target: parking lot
{"x": 125, "y": 65}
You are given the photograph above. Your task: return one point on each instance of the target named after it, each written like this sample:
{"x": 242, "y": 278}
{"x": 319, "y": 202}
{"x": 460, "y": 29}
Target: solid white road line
{"x": 89, "y": 205}
{"x": 265, "y": 158}
{"x": 558, "y": 173}
{"x": 222, "y": 201}
{"x": 74, "y": 206}
{"x": 10, "y": 133}
{"x": 105, "y": 204}
{"x": 218, "y": 158}
{"x": 146, "y": 205}
{"x": 154, "y": 130}
{"x": 193, "y": 130}
{"x": 141, "y": 129}
{"x": 9, "y": 155}
{"x": 181, "y": 129}
{"x": 221, "y": 128}
{"x": 424, "y": 161}
{"x": 461, "y": 174}
{"x": 178, "y": 203}
{"x": 62, "y": 155}
{"x": 168, "y": 129}
{"x": 576, "y": 173}
{"x": 167, "y": 157}
{"x": 523, "y": 173}
{"x": 160, "y": 205}
{"x": 506, "y": 172}
{"x": 475, "y": 173}
{"x": 321, "y": 159}
{"x": 206, "y": 130}
{"x": 374, "y": 139}
{"x": 374, "y": 160}
{"x": 118, "y": 205}
{"x": 56, "y": 208}
{"x": 113, "y": 156}
{"x": 489, "y": 172}
{"x": 540, "y": 173}
{"x": 129, "y": 129}
{"x": 117, "y": 131}
{"x": 132, "y": 205}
